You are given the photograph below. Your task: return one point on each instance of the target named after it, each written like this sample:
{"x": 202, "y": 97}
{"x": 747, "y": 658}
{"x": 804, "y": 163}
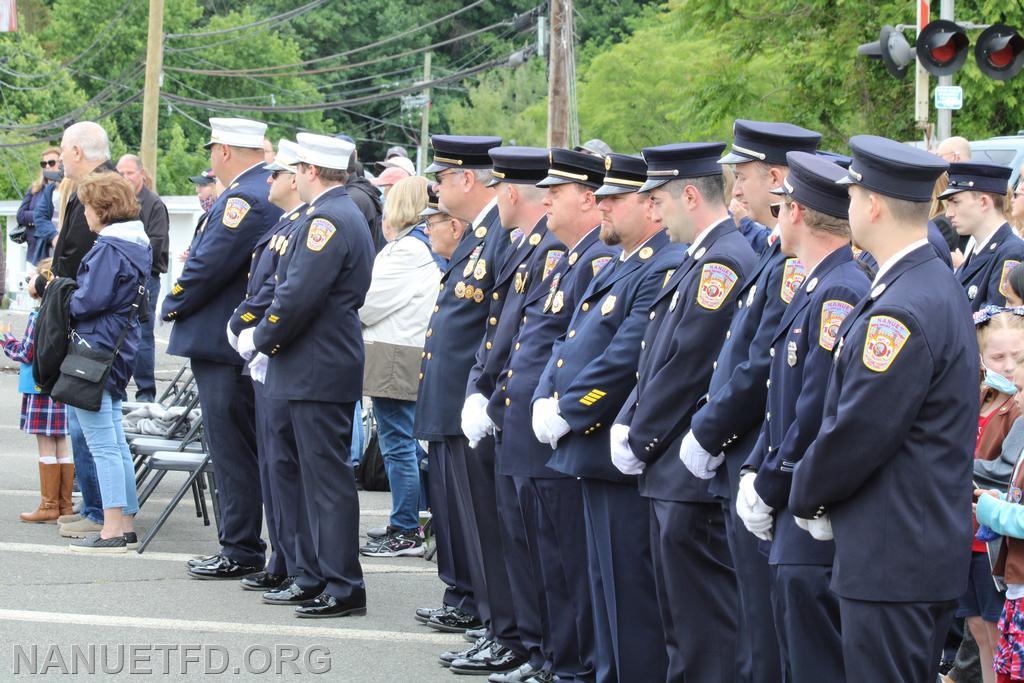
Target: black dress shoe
{"x": 223, "y": 568}
{"x": 291, "y": 593}
{"x": 262, "y": 581}
{"x": 423, "y": 614}
{"x": 454, "y": 620}
{"x": 446, "y": 658}
{"x": 200, "y": 561}
{"x": 324, "y": 606}
{"x": 497, "y": 660}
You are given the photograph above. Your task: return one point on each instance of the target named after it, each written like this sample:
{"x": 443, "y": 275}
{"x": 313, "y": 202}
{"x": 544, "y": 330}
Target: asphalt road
{"x": 62, "y": 612}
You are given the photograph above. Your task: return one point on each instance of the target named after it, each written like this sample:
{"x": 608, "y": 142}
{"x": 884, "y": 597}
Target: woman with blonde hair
{"x": 38, "y": 241}
{"x": 395, "y": 316}
{"x": 1016, "y": 210}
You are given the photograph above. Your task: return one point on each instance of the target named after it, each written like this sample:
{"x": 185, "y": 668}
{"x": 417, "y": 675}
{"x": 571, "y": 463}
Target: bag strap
{"x": 131, "y": 315}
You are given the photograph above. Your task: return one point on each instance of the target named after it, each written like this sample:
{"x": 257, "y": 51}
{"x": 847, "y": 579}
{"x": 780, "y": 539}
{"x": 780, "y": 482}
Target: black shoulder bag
{"x": 83, "y": 373}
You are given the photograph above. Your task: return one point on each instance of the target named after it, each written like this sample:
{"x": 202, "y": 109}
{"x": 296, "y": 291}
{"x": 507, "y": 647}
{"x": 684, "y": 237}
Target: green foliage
{"x": 179, "y": 158}
{"x": 28, "y": 103}
{"x": 506, "y": 102}
{"x": 694, "y": 67}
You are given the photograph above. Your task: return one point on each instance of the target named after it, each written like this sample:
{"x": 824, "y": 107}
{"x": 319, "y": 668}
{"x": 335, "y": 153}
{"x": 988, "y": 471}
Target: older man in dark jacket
{"x": 153, "y": 215}
{"x": 84, "y": 149}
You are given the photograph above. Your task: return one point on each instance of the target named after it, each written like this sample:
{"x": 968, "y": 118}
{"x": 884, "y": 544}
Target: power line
{"x": 282, "y": 124}
{"x": 101, "y": 97}
{"x": 268, "y": 24}
{"x": 102, "y": 34}
{"x": 377, "y": 43}
{"x": 352, "y": 112}
{"x": 107, "y": 114}
{"x": 271, "y": 71}
{"x": 295, "y": 109}
{"x": 279, "y": 18}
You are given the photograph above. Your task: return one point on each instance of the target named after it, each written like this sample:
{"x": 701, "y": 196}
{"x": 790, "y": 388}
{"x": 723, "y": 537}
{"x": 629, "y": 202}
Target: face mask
{"x": 207, "y": 202}
{"x": 999, "y": 383}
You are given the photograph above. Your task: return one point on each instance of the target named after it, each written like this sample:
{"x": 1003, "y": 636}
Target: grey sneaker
{"x": 395, "y": 544}
{"x": 377, "y": 533}
{"x": 80, "y": 529}
{"x": 69, "y": 519}
{"x": 93, "y": 543}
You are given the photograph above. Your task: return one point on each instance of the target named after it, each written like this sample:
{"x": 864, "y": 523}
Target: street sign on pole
{"x": 949, "y": 97}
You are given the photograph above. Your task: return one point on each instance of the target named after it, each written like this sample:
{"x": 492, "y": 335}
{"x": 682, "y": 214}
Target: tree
{"x": 693, "y": 67}
{"x": 27, "y": 107}
{"x": 506, "y": 102}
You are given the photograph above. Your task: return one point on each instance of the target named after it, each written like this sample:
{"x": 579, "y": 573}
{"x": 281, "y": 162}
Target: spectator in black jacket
{"x": 153, "y": 215}
{"x": 366, "y": 197}
{"x": 84, "y": 151}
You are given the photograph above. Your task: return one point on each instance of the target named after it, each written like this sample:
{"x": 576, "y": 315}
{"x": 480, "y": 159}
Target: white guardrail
{"x": 184, "y": 212}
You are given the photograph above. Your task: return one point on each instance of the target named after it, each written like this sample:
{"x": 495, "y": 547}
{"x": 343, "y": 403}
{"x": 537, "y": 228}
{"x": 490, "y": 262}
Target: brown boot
{"x": 67, "y": 482}
{"x": 49, "y": 487}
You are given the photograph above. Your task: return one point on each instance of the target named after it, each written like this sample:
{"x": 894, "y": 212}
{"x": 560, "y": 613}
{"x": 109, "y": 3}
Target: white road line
{"x": 369, "y": 566}
{"x": 188, "y": 501}
{"x": 190, "y": 625}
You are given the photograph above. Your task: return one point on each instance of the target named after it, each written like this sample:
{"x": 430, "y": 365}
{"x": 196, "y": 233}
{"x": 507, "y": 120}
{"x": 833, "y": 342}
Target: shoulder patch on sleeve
{"x": 716, "y": 281}
{"x": 833, "y": 313}
{"x": 793, "y": 275}
{"x": 597, "y": 264}
{"x": 1004, "y": 278}
{"x": 321, "y": 231}
{"x": 551, "y": 260}
{"x": 234, "y": 211}
{"x": 885, "y": 339}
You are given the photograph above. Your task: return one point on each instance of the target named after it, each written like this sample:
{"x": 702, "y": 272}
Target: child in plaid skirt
{"x": 47, "y": 419}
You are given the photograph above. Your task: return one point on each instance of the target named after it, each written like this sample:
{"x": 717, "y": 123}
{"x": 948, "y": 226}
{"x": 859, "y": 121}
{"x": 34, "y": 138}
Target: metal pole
{"x": 421, "y": 154}
{"x": 151, "y": 94}
{"x": 944, "y": 127}
{"x": 921, "y": 85}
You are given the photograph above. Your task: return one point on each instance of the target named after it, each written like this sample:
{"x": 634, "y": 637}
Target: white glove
{"x": 755, "y": 513}
{"x": 557, "y": 426}
{"x": 475, "y": 422}
{"x": 820, "y": 528}
{"x": 622, "y": 454}
{"x": 258, "y": 368}
{"x": 700, "y": 463}
{"x": 425, "y": 445}
{"x": 539, "y": 419}
{"x": 246, "y": 346}
{"x": 232, "y": 338}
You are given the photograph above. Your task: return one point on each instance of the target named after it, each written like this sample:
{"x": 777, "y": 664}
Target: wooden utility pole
{"x": 558, "y": 85}
{"x": 151, "y": 95}
{"x": 421, "y": 158}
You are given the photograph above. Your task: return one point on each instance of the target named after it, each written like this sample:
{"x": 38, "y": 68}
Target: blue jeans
{"x": 114, "y": 467}
{"x": 145, "y": 358}
{"x": 357, "y": 434}
{"x": 397, "y": 445}
{"x": 85, "y": 471}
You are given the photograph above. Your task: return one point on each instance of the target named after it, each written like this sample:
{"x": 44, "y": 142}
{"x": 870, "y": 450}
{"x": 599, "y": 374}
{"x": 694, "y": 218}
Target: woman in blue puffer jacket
{"x": 108, "y": 285}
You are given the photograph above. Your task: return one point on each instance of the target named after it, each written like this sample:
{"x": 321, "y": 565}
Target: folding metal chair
{"x": 179, "y": 392}
{"x": 179, "y": 426}
{"x": 142, "y": 447}
{"x": 197, "y": 465}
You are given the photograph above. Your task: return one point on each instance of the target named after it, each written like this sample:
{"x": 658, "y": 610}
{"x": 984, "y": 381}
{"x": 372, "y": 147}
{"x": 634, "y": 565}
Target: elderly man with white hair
{"x": 84, "y": 150}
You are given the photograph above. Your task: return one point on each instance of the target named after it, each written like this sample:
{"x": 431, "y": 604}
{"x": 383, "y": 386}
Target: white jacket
{"x": 402, "y": 293}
